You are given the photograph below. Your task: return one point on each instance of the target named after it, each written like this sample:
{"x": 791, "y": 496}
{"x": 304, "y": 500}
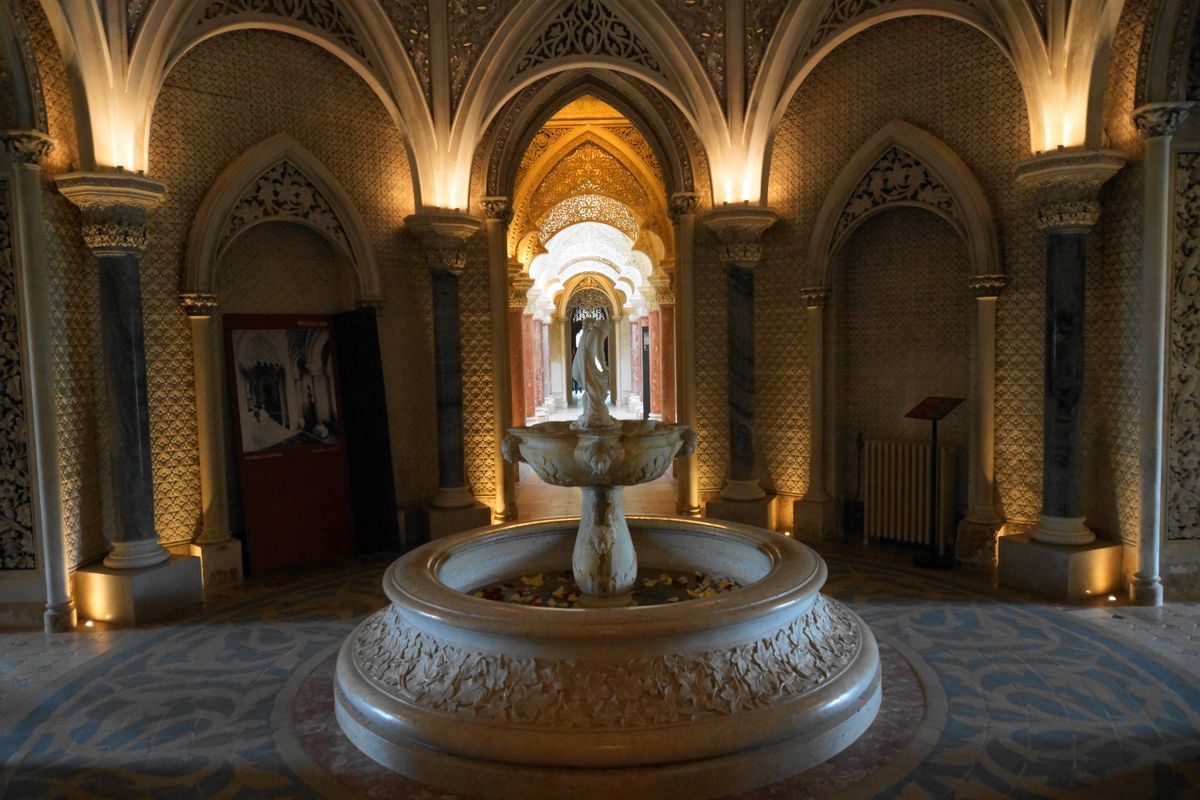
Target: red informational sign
{"x": 283, "y": 394}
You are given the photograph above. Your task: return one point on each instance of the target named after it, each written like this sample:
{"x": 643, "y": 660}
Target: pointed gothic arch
{"x": 903, "y": 165}
{"x": 241, "y": 198}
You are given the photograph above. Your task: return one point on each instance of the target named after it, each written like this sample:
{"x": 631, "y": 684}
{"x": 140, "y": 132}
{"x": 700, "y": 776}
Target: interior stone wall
{"x": 474, "y": 308}
{"x": 952, "y": 81}
{"x": 224, "y": 96}
{"x": 81, "y": 400}
{"x": 900, "y": 334}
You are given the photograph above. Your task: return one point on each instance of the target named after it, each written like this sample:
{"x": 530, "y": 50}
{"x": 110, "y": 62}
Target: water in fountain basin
{"x": 652, "y": 587}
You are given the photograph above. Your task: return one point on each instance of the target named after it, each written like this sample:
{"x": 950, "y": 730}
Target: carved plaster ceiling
{"x": 590, "y": 248}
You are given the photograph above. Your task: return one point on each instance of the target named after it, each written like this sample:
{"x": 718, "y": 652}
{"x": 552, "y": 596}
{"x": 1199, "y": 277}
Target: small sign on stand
{"x": 934, "y": 409}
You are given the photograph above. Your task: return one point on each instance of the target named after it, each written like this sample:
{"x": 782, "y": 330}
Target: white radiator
{"x": 895, "y": 487}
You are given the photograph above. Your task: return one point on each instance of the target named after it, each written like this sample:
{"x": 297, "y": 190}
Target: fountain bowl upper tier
{"x": 625, "y": 453}
{"x": 701, "y": 698}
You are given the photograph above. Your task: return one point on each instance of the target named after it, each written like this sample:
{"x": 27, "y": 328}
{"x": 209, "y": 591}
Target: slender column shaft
{"x": 447, "y": 367}
{"x": 1063, "y": 385}
{"x": 740, "y": 332}
{"x": 817, "y": 490}
{"x": 981, "y": 500}
{"x": 1068, "y": 184}
{"x": 1157, "y": 123}
{"x": 502, "y": 394}
{"x": 667, "y": 358}
{"x": 635, "y": 358}
{"x": 517, "y": 364}
{"x": 213, "y": 491}
{"x": 37, "y": 357}
{"x": 547, "y": 378}
{"x": 683, "y": 207}
{"x": 656, "y": 402}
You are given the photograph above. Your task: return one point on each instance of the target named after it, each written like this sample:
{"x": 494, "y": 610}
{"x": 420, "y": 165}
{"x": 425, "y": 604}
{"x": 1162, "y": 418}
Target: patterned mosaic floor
{"x": 997, "y": 697}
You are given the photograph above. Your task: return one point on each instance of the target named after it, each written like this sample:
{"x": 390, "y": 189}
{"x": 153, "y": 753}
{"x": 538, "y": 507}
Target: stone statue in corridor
{"x": 589, "y": 371}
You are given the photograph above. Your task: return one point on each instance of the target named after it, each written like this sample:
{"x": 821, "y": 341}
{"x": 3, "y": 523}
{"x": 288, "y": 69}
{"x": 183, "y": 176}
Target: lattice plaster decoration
{"x": 587, "y": 28}
{"x": 841, "y": 13}
{"x": 589, "y": 208}
{"x": 324, "y": 15}
{"x": 284, "y": 191}
{"x": 897, "y": 177}
{"x": 588, "y": 169}
{"x": 16, "y": 503}
{"x": 1183, "y": 454}
{"x": 411, "y": 21}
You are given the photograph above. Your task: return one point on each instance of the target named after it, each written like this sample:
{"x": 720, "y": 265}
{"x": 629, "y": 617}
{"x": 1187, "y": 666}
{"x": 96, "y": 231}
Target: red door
{"x": 285, "y": 404}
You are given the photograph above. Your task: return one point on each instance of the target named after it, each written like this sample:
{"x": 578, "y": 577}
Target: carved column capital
{"x": 815, "y": 296}
{"x": 1067, "y": 185}
{"x": 371, "y": 301}
{"x": 115, "y": 206}
{"x": 198, "y": 305}
{"x": 518, "y": 292}
{"x": 988, "y": 285}
{"x": 497, "y": 208}
{"x": 26, "y": 146}
{"x": 442, "y": 234}
{"x": 682, "y": 203}
{"x": 740, "y": 229}
{"x": 1156, "y": 120}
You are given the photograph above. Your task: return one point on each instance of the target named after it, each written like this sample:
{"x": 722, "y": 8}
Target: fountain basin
{"x": 625, "y": 453}
{"x": 711, "y": 696}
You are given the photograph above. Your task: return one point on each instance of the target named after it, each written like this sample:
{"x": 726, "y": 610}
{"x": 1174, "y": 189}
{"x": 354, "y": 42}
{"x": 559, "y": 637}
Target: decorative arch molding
{"x": 527, "y": 113}
{"x": 902, "y": 165}
{"x": 276, "y": 180}
{"x": 593, "y": 281}
{"x": 681, "y": 77}
{"x": 1164, "y": 58}
{"x": 29, "y": 104}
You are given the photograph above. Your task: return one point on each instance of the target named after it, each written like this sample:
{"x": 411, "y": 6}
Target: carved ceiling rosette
{"x": 114, "y": 206}
{"x": 1067, "y": 184}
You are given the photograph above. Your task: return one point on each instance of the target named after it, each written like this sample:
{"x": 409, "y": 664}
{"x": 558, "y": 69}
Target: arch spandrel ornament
{"x": 276, "y": 180}
{"x": 587, "y": 28}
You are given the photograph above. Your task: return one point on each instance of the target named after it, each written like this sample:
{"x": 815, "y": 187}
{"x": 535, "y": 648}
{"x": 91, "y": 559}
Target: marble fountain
{"x": 710, "y": 696}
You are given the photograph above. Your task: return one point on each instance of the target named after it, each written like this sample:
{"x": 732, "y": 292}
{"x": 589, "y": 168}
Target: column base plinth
{"x": 136, "y": 596}
{"x": 59, "y": 617}
{"x": 1064, "y": 573}
{"x": 220, "y": 562}
{"x": 742, "y": 490}
{"x": 814, "y": 519}
{"x": 1143, "y": 592}
{"x": 1069, "y": 531}
{"x": 445, "y": 521}
{"x": 759, "y": 512}
{"x": 452, "y": 497}
{"x": 136, "y": 554}
{"x": 976, "y": 542}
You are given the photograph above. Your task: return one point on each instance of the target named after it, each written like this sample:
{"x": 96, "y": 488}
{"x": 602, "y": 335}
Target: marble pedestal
{"x": 220, "y": 562}
{"x": 445, "y": 521}
{"x": 136, "y": 596}
{"x": 760, "y": 513}
{"x": 1065, "y": 573}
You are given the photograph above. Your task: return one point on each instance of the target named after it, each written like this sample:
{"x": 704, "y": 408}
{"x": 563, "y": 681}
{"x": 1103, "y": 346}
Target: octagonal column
{"x": 1067, "y": 183}
{"x": 740, "y": 230}
{"x": 1156, "y": 122}
{"x": 497, "y": 214}
{"x": 683, "y": 212}
{"x": 442, "y": 235}
{"x": 114, "y": 207}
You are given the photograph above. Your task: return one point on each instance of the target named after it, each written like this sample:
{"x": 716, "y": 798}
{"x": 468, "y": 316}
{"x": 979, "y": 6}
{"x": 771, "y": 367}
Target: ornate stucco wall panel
{"x": 952, "y": 81}
{"x": 703, "y": 22}
{"x": 712, "y": 365}
{"x": 479, "y": 440}
{"x": 903, "y": 325}
{"x": 471, "y": 24}
{"x": 226, "y": 95}
{"x": 411, "y": 20}
{"x": 16, "y": 508}
{"x": 79, "y": 395}
{"x": 1111, "y": 365}
{"x": 1183, "y": 457}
